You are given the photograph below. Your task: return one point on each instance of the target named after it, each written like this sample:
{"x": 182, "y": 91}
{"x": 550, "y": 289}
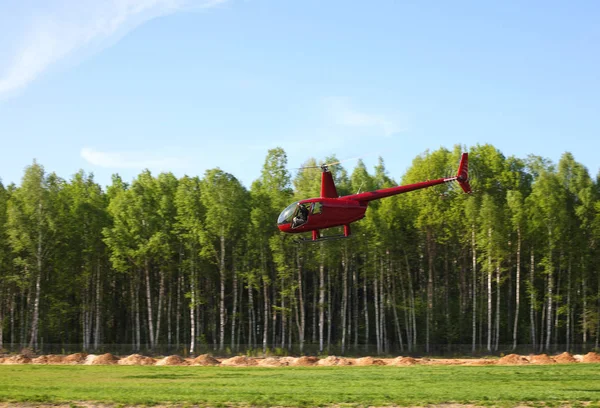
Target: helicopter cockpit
{"x": 295, "y": 213}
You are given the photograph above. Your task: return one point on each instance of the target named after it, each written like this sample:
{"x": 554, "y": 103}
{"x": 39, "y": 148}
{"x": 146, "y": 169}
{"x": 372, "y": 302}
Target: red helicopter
{"x": 329, "y": 210}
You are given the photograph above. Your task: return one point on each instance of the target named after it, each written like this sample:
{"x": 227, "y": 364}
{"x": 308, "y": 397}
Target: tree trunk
{"x": 517, "y": 289}
{"x": 497, "y": 306}
{"x": 321, "y": 299}
{"x": 532, "y": 297}
{"x": 382, "y": 303}
{"x": 149, "y": 303}
{"x": 474, "y": 291}
{"x": 192, "y": 309}
{"x": 395, "y": 309}
{"x": 251, "y": 319}
{"x": 344, "y": 296}
{"x": 159, "y": 311}
{"x": 169, "y": 314}
{"x": 138, "y": 322}
{"x": 568, "y": 328}
{"x": 2, "y": 298}
{"x": 328, "y": 309}
{"x": 266, "y": 315}
{"x": 178, "y": 312}
{"x": 314, "y": 314}
{"x": 355, "y": 303}
{"x": 430, "y": 255}
{"x": 222, "y": 310}
{"x": 406, "y": 309}
{"x": 376, "y": 305}
{"x": 550, "y": 289}
{"x": 283, "y": 314}
{"x": 489, "y": 292}
{"x": 234, "y": 310}
{"x": 98, "y": 307}
{"x": 584, "y": 314}
{"x": 36, "y": 303}
{"x": 366, "y": 311}
{"x": 13, "y": 307}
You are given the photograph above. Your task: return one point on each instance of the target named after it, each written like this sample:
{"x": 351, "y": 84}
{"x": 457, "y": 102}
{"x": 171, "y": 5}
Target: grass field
{"x": 574, "y": 385}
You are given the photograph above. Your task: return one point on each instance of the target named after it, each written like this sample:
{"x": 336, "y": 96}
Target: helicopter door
{"x": 301, "y": 215}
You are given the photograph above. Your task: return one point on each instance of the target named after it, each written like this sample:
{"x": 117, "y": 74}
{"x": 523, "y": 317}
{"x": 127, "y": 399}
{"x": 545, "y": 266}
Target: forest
{"x": 197, "y": 264}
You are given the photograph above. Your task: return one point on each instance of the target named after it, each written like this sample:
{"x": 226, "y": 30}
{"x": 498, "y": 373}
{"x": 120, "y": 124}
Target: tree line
{"x": 194, "y": 264}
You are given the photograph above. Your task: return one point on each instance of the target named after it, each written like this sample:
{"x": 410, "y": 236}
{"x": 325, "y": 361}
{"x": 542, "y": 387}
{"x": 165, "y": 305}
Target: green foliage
{"x": 162, "y": 247}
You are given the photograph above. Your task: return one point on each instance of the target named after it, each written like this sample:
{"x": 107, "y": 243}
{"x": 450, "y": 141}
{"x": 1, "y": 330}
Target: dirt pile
{"x": 403, "y": 361}
{"x": 513, "y": 359}
{"x": 173, "y": 360}
{"x": 591, "y": 357}
{"x": 48, "y": 359}
{"x": 105, "y": 359}
{"x": 137, "y": 359}
{"x": 541, "y": 359}
{"x": 287, "y": 360}
{"x": 305, "y": 361}
{"x": 565, "y": 358}
{"x": 273, "y": 362}
{"x": 369, "y": 361}
{"x": 76, "y": 358}
{"x": 239, "y": 361}
{"x": 18, "y": 359}
{"x": 334, "y": 361}
{"x": 89, "y": 359}
{"x": 205, "y": 360}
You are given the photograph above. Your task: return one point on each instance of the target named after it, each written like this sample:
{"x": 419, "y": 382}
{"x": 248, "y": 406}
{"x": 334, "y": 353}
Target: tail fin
{"x": 463, "y": 173}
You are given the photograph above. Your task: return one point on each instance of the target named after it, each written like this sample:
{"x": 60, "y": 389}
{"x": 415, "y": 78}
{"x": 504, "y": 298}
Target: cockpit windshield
{"x": 286, "y": 215}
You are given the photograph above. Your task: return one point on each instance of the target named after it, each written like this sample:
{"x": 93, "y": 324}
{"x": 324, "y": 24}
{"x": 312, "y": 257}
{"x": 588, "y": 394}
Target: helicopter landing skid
{"x": 320, "y": 239}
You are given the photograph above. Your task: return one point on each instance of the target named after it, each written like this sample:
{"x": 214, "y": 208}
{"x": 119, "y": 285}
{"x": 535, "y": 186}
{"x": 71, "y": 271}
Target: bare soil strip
{"x": 243, "y": 361}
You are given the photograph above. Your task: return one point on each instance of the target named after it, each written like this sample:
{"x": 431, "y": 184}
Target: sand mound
{"x": 287, "y": 360}
{"x": 40, "y": 360}
{"x": 541, "y": 359}
{"x": 478, "y": 362}
{"x": 105, "y": 359}
{"x": 48, "y": 359}
{"x": 273, "y": 362}
{"x": 137, "y": 359}
{"x": 18, "y": 359}
{"x": 306, "y": 361}
{"x": 89, "y": 359}
{"x": 239, "y": 361}
{"x": 403, "y": 361}
{"x": 334, "y": 361}
{"x": 565, "y": 358}
{"x": 368, "y": 361}
{"x": 173, "y": 360}
{"x": 76, "y": 358}
{"x": 513, "y": 359}
{"x": 205, "y": 360}
{"x": 591, "y": 357}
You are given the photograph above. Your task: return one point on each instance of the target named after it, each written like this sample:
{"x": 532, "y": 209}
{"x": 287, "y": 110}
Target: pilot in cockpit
{"x": 301, "y": 216}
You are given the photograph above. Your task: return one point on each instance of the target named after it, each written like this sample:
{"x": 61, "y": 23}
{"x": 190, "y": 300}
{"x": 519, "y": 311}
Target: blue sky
{"x": 184, "y": 86}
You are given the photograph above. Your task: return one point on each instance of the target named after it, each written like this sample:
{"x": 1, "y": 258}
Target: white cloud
{"x": 344, "y": 114}
{"x": 132, "y": 160}
{"x": 57, "y": 29}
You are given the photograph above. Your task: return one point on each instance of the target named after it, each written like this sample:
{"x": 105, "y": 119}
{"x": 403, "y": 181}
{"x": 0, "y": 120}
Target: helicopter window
{"x": 301, "y": 216}
{"x": 317, "y": 208}
{"x": 286, "y": 215}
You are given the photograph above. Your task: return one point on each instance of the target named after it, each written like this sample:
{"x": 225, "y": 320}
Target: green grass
{"x": 303, "y": 386}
